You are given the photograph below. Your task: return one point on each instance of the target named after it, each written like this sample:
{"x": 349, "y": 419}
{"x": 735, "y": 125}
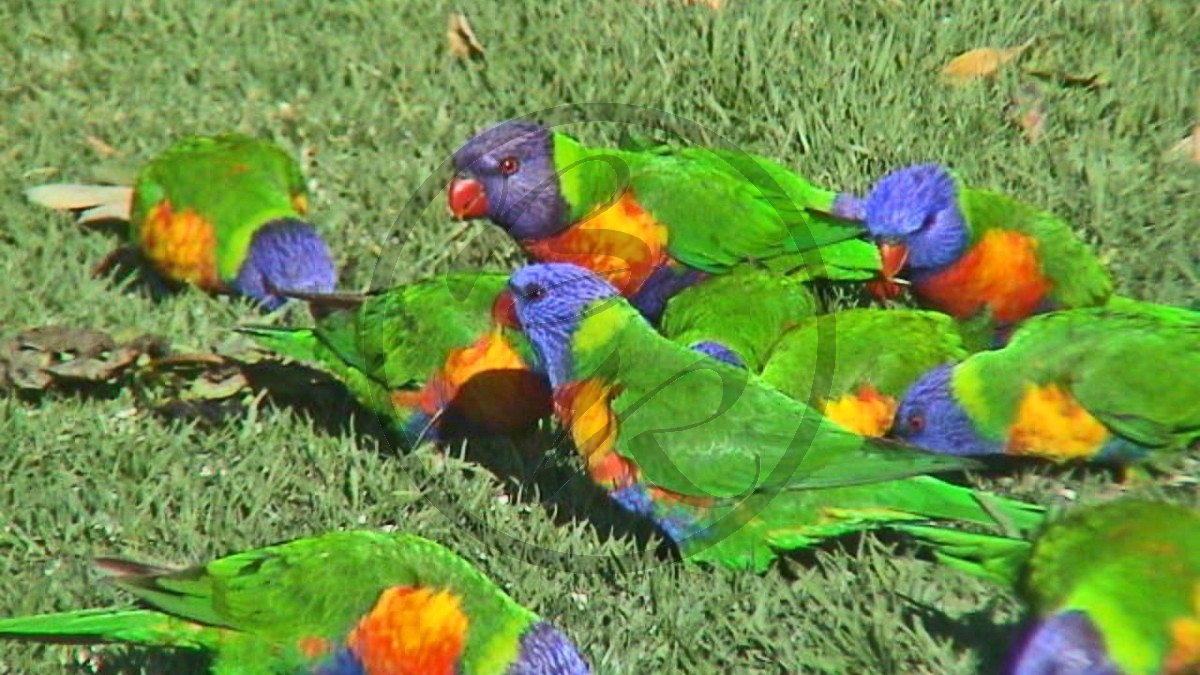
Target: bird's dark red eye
{"x": 915, "y": 423}
{"x": 508, "y": 166}
{"x": 534, "y": 292}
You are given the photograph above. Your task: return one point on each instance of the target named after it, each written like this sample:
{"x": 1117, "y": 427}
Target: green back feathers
{"x": 750, "y": 533}
{"x": 255, "y": 607}
{"x": 409, "y": 330}
{"x": 1130, "y": 368}
{"x": 700, "y": 427}
{"x": 887, "y": 349}
{"x": 397, "y": 338}
{"x": 747, "y": 310}
{"x": 1080, "y": 279}
{"x": 1132, "y": 565}
{"x": 720, "y": 207}
{"x": 321, "y": 586}
{"x": 143, "y": 627}
{"x": 236, "y": 182}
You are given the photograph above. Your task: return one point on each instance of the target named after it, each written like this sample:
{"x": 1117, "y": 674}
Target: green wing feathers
{"x": 886, "y": 349}
{"x": 1109, "y": 545}
{"x": 716, "y": 310}
{"x": 235, "y": 182}
{"x": 699, "y": 427}
{"x": 143, "y": 627}
{"x": 752, "y": 533}
{"x": 1080, "y": 279}
{"x": 397, "y": 338}
{"x": 721, "y": 207}
{"x": 997, "y": 559}
{"x": 1125, "y": 366}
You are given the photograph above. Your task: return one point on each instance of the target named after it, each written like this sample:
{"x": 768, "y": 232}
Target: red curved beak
{"x": 466, "y": 199}
{"x": 892, "y": 257}
{"x": 504, "y": 310}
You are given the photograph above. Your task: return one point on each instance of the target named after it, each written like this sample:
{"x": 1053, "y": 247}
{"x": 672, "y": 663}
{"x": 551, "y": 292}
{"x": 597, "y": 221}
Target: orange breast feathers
{"x": 1185, "y": 641}
{"x": 865, "y": 412}
{"x": 1002, "y": 271}
{"x": 181, "y": 246}
{"x": 584, "y": 409}
{"x": 1051, "y": 424}
{"x": 411, "y": 631}
{"x": 621, "y": 241}
{"x": 488, "y": 383}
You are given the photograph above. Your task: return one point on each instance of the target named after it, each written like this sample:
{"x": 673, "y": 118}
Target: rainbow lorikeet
{"x": 653, "y": 222}
{"x": 1114, "y": 588}
{"x": 427, "y": 355}
{"x": 344, "y": 603}
{"x": 731, "y": 468}
{"x": 977, "y": 254}
{"x": 224, "y": 213}
{"x": 1117, "y": 384}
{"x": 715, "y": 318}
{"x": 863, "y": 360}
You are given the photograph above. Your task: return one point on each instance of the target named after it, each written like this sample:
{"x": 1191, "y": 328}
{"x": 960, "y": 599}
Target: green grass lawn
{"x": 842, "y": 91}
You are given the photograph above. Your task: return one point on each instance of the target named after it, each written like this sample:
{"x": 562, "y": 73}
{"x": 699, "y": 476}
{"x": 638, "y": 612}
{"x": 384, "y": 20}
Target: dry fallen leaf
{"x": 1188, "y": 148}
{"x": 37, "y": 359}
{"x": 977, "y": 63}
{"x": 714, "y": 4}
{"x": 103, "y": 149}
{"x": 463, "y": 42}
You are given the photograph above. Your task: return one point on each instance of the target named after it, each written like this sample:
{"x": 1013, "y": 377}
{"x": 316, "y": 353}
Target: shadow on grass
{"x": 125, "y": 267}
{"x": 537, "y": 463}
{"x": 977, "y": 631}
{"x": 139, "y": 661}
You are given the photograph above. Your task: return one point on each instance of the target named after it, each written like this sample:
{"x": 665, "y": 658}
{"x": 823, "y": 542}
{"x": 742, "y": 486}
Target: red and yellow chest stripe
{"x": 1002, "y": 271}
{"x": 488, "y": 383}
{"x": 181, "y": 246}
{"x": 1052, "y": 425}
{"x": 584, "y": 408}
{"x": 621, "y": 242}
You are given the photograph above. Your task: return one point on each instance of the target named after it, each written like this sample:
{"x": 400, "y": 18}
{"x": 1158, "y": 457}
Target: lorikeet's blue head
{"x": 507, "y": 174}
{"x": 546, "y": 651}
{"x": 1064, "y": 644}
{"x": 931, "y": 418}
{"x": 551, "y": 301}
{"x": 719, "y": 352}
{"x": 285, "y": 255}
{"x": 913, "y": 214}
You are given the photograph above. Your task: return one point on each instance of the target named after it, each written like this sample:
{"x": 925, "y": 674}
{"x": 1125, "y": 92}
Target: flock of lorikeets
{"x": 667, "y": 324}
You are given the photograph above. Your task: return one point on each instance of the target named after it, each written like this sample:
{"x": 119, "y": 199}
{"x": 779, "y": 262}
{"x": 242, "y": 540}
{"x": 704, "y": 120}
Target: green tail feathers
{"x": 300, "y": 344}
{"x": 993, "y": 558}
{"x": 91, "y": 626}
